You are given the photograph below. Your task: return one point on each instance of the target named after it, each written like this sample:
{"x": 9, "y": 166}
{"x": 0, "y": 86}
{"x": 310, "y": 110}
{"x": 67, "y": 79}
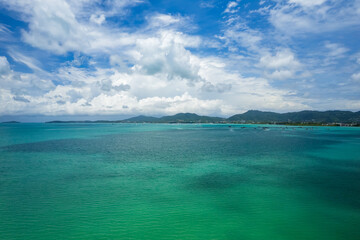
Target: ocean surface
{"x": 172, "y": 181}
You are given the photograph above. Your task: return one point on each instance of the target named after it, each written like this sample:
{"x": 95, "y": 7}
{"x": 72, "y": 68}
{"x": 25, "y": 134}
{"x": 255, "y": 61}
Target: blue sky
{"x": 130, "y": 57}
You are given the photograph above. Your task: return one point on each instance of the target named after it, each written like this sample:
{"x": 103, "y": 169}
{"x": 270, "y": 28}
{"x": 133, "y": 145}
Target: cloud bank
{"x": 87, "y": 57}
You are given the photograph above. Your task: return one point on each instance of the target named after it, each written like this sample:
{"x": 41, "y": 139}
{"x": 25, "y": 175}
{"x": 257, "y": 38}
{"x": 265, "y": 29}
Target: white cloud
{"x": 5, "y": 33}
{"x": 220, "y": 87}
{"x": 231, "y": 7}
{"x": 166, "y": 54}
{"x": 207, "y": 4}
{"x": 59, "y": 27}
{"x": 332, "y": 53}
{"x": 98, "y": 19}
{"x": 161, "y": 20}
{"x": 4, "y": 66}
{"x": 308, "y": 3}
{"x": 153, "y": 69}
{"x": 356, "y": 77}
{"x": 219, "y": 92}
{"x": 157, "y": 22}
{"x": 336, "y": 103}
{"x": 281, "y": 74}
{"x": 282, "y": 59}
{"x": 21, "y": 99}
{"x": 242, "y": 36}
{"x": 53, "y": 26}
{"x": 28, "y": 61}
{"x": 21, "y": 84}
{"x": 335, "y": 50}
{"x": 263, "y": 10}
{"x": 284, "y": 17}
{"x": 314, "y": 16}
{"x": 283, "y": 64}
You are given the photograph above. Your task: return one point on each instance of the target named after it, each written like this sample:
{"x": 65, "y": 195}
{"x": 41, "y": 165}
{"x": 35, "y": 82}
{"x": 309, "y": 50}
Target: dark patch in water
{"x": 339, "y": 186}
{"x": 334, "y": 181}
{"x": 215, "y": 181}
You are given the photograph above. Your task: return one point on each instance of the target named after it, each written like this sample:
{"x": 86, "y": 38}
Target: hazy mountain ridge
{"x": 251, "y": 116}
{"x": 177, "y": 118}
{"x": 298, "y": 117}
{"x": 140, "y": 118}
{"x": 255, "y": 116}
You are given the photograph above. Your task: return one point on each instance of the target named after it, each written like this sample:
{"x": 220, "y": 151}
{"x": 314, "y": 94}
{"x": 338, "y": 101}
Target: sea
{"x": 179, "y": 181}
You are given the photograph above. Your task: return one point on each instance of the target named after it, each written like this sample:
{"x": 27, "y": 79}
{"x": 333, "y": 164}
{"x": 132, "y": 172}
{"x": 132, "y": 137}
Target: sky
{"x": 117, "y": 58}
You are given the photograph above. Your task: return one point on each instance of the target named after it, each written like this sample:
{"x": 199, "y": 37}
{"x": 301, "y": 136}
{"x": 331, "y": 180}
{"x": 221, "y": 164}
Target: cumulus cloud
{"x": 108, "y": 91}
{"x": 220, "y": 87}
{"x": 107, "y": 86}
{"x": 53, "y": 26}
{"x": 282, "y": 59}
{"x": 21, "y": 83}
{"x": 283, "y": 64}
{"x": 158, "y": 68}
{"x": 166, "y": 54}
{"x": 20, "y": 92}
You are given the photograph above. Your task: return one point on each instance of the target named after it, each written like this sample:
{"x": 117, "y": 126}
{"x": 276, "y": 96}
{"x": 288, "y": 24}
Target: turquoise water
{"x": 162, "y": 181}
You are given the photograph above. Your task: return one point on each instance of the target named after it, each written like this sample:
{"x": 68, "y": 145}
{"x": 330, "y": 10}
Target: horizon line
{"x": 107, "y": 117}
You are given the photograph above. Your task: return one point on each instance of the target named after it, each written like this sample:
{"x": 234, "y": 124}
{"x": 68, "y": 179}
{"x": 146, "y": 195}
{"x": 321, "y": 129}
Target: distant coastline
{"x": 11, "y": 122}
{"x": 303, "y": 118}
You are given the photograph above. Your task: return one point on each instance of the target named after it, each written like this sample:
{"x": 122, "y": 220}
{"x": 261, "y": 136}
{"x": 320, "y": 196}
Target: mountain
{"x": 256, "y": 116}
{"x": 324, "y": 117}
{"x": 190, "y": 118}
{"x": 251, "y": 116}
{"x": 178, "y": 118}
{"x": 140, "y": 119}
{"x": 298, "y": 117}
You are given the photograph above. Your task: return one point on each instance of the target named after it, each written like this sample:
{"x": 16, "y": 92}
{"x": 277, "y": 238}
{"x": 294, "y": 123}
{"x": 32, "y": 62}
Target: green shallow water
{"x": 161, "y": 181}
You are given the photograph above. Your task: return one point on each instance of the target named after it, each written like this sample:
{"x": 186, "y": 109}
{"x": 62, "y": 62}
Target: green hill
{"x": 298, "y": 117}
{"x": 251, "y": 116}
{"x": 140, "y": 119}
{"x": 178, "y": 118}
{"x": 190, "y": 118}
{"x": 256, "y": 116}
